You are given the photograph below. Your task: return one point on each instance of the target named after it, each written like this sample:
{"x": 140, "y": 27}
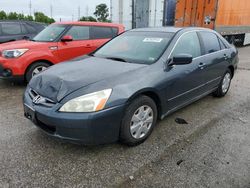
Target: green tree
{"x": 12, "y": 16}
{"x": 3, "y": 15}
{"x": 29, "y": 18}
{"x": 20, "y": 16}
{"x": 102, "y": 13}
{"x": 41, "y": 17}
{"x": 88, "y": 19}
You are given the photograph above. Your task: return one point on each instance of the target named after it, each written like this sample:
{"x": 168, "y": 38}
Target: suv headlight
{"x": 92, "y": 102}
{"x": 14, "y": 53}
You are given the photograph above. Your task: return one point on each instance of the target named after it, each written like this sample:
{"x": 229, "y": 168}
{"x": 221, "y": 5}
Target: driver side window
{"x": 188, "y": 44}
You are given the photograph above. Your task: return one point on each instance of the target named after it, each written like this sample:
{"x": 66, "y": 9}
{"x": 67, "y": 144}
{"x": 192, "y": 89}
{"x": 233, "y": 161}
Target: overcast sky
{"x": 64, "y": 9}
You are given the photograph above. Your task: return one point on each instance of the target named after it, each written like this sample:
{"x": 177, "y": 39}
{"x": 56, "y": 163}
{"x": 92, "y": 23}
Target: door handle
{"x": 201, "y": 65}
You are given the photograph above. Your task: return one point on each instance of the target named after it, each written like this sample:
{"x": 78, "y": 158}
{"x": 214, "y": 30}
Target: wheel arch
{"x": 151, "y": 94}
{"x": 36, "y": 61}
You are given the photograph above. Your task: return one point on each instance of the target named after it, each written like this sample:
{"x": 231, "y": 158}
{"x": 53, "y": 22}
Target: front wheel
{"x": 139, "y": 120}
{"x": 224, "y": 85}
{"x": 36, "y": 68}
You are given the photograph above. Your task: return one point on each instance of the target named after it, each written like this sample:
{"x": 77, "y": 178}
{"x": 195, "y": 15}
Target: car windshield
{"x": 136, "y": 47}
{"x": 50, "y": 33}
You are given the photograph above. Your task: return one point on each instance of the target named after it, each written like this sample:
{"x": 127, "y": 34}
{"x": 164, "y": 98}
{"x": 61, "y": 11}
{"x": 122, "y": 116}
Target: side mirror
{"x": 181, "y": 59}
{"x": 67, "y": 38}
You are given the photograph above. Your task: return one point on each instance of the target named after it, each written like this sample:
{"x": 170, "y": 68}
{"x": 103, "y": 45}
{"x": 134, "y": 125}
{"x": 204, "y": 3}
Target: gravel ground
{"x": 212, "y": 150}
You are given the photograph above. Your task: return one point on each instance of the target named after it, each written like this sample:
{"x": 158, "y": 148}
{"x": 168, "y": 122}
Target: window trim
{"x": 170, "y": 53}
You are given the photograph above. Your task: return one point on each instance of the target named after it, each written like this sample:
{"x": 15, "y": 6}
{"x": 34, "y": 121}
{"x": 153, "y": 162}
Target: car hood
{"x": 21, "y": 44}
{"x": 60, "y": 80}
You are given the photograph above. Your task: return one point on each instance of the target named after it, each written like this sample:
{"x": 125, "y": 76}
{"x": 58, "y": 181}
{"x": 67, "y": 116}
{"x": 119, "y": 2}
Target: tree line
{"x": 101, "y": 15}
{"x": 38, "y": 17}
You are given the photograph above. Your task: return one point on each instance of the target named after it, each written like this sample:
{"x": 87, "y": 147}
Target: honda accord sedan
{"x": 118, "y": 92}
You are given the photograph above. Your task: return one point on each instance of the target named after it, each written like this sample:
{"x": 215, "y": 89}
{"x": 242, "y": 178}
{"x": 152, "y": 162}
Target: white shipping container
{"x": 137, "y": 13}
{"x": 121, "y": 12}
{"x": 156, "y": 10}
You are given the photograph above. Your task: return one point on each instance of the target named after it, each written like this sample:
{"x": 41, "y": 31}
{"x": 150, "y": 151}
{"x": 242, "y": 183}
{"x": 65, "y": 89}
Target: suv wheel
{"x": 35, "y": 69}
{"x": 139, "y": 120}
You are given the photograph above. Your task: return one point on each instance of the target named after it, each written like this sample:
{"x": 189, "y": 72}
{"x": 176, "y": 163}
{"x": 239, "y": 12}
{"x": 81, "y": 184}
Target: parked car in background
{"x": 56, "y": 43}
{"x": 18, "y": 30}
{"x": 119, "y": 91}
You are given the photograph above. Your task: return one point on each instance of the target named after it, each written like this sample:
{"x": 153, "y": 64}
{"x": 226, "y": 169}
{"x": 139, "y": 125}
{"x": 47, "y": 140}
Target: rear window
{"x": 30, "y": 28}
{"x": 103, "y": 32}
{"x": 11, "y": 29}
{"x": 222, "y": 45}
{"x": 210, "y": 41}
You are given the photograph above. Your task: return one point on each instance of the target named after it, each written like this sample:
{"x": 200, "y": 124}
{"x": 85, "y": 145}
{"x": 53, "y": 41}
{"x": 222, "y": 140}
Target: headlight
{"x": 92, "y": 102}
{"x": 14, "y": 53}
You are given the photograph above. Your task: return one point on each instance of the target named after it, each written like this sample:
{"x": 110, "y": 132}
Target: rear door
{"x": 215, "y": 58}
{"x": 100, "y": 35}
{"x": 11, "y": 31}
{"x": 81, "y": 44}
{"x": 187, "y": 80}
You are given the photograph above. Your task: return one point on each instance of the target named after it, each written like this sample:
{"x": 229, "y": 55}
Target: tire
{"x": 36, "y": 66}
{"x": 222, "y": 90}
{"x": 139, "y": 106}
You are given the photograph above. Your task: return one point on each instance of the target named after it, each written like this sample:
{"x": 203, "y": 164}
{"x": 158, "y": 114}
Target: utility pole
{"x": 79, "y": 13}
{"x": 30, "y": 7}
{"x": 87, "y": 10}
{"x": 51, "y": 10}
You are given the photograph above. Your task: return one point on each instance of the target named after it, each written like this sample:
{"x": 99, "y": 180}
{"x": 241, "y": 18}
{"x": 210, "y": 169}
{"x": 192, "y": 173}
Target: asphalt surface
{"x": 212, "y": 150}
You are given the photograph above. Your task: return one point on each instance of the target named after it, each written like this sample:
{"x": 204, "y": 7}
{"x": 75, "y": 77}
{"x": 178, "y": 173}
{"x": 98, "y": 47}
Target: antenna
{"x": 87, "y": 10}
{"x": 51, "y": 11}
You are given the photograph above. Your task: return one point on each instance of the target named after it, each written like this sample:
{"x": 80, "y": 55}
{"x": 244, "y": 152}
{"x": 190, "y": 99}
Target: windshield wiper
{"x": 116, "y": 59}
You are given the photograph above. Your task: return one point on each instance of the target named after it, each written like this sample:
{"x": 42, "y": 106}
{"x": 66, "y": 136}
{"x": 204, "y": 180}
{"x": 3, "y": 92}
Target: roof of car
{"x": 89, "y": 23}
{"x": 168, "y": 29}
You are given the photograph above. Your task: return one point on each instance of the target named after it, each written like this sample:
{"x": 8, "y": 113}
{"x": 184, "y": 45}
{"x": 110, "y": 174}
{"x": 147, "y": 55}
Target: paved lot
{"x": 213, "y": 150}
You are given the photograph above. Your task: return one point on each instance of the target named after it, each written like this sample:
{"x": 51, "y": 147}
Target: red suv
{"x": 57, "y": 43}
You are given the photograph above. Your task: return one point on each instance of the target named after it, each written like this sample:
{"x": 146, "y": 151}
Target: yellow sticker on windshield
{"x": 152, "y": 40}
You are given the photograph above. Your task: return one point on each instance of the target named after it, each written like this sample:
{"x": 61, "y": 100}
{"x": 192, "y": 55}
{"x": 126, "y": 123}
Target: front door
{"x": 186, "y": 81}
{"x": 81, "y": 44}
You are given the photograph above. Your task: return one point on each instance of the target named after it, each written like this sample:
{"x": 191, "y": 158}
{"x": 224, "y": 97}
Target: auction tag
{"x": 152, "y": 40}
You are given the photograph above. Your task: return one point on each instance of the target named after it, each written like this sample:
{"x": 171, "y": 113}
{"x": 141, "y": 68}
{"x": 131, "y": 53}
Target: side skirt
{"x": 187, "y": 103}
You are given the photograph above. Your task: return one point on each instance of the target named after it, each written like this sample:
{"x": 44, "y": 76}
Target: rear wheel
{"x": 35, "y": 69}
{"x": 224, "y": 84}
{"x": 138, "y": 121}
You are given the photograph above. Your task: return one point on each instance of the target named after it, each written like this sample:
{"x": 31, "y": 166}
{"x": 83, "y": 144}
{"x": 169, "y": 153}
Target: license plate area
{"x": 29, "y": 112}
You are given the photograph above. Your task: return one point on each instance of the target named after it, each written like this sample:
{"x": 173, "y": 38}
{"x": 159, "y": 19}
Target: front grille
{"x": 43, "y": 100}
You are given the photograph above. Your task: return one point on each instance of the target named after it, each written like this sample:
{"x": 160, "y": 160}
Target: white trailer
{"x": 138, "y": 13}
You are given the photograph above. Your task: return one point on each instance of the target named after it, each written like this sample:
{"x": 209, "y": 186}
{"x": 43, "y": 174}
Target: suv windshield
{"x": 50, "y": 33}
{"x": 136, "y": 47}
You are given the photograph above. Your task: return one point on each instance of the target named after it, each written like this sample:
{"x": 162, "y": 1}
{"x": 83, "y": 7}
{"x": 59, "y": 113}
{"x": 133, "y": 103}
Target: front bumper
{"x": 84, "y": 128}
{"x": 11, "y": 69}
